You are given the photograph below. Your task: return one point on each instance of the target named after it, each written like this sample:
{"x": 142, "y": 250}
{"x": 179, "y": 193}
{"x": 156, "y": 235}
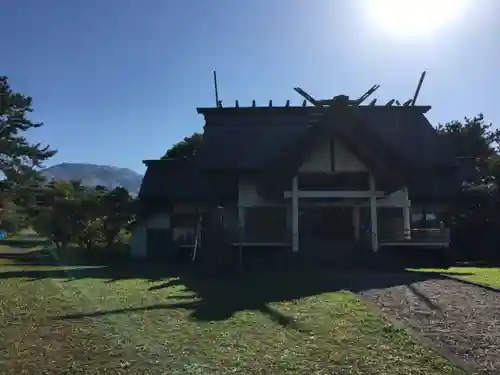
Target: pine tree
{"x": 19, "y": 159}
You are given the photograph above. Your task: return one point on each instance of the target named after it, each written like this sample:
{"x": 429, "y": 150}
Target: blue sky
{"x": 116, "y": 82}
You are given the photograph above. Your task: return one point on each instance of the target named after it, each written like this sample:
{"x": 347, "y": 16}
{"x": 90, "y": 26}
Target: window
{"x": 424, "y": 217}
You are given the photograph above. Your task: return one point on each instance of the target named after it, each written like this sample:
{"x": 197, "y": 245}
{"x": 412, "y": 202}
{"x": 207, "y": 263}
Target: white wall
{"x": 138, "y": 239}
{"x": 248, "y": 195}
{"x": 319, "y": 160}
{"x": 160, "y": 221}
{"x": 346, "y": 161}
{"x": 396, "y": 199}
{"x": 137, "y": 242}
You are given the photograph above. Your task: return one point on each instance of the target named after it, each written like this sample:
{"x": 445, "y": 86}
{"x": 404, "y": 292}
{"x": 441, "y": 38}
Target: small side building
{"x": 173, "y": 195}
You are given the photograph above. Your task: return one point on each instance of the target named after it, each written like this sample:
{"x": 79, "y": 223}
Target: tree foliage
{"x": 18, "y": 157}
{"x": 11, "y": 218}
{"x": 67, "y": 212}
{"x": 118, "y": 212}
{"x": 185, "y": 149}
{"x": 474, "y": 138}
{"x": 476, "y": 216}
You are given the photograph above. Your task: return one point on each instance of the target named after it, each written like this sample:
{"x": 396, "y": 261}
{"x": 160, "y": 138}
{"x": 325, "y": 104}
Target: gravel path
{"x": 462, "y": 318}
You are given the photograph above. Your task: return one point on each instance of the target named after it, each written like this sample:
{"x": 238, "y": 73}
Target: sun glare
{"x": 414, "y": 18}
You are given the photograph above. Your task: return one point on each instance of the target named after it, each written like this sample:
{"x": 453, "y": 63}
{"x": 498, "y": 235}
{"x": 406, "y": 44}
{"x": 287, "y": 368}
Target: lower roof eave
{"x": 161, "y": 202}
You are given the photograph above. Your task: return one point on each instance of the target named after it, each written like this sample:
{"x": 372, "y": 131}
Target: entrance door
{"x": 328, "y": 223}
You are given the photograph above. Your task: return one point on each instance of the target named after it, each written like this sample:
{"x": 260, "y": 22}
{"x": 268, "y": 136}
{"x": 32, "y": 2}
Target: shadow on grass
{"x": 219, "y": 298}
{"x": 215, "y": 298}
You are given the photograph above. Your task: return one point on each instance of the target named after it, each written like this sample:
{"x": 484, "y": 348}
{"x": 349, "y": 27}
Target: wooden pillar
{"x": 295, "y": 215}
{"x": 373, "y": 214}
{"x": 241, "y": 224}
{"x": 407, "y": 216}
{"x": 356, "y": 222}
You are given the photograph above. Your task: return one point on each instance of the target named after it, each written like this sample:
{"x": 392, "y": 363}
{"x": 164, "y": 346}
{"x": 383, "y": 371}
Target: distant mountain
{"x": 93, "y": 175}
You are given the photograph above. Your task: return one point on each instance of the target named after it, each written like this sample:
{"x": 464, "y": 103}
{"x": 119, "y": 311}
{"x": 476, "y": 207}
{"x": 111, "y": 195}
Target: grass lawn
{"x": 145, "y": 319}
{"x": 483, "y": 275}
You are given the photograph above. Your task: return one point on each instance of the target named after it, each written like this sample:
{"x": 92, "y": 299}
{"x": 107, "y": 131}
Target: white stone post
{"x": 373, "y": 214}
{"x": 407, "y": 216}
{"x": 356, "y": 221}
{"x": 241, "y": 224}
{"x": 295, "y": 215}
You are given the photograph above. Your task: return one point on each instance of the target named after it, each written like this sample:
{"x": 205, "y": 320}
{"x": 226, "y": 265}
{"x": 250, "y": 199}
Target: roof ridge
{"x": 422, "y": 109}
